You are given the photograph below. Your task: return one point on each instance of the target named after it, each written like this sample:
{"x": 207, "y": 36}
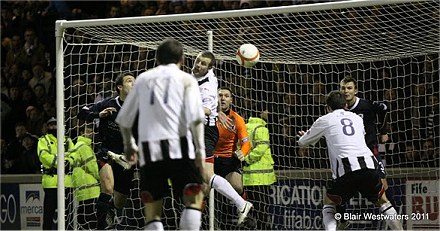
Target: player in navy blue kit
{"x": 368, "y": 111}
{"x": 114, "y": 178}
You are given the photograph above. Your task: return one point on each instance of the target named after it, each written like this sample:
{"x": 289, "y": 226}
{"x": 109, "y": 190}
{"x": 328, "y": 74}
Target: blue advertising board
{"x": 10, "y": 207}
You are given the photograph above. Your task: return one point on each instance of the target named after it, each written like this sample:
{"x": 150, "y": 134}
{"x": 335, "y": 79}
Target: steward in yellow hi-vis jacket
{"x": 47, "y": 153}
{"x": 258, "y": 171}
{"x": 85, "y": 179}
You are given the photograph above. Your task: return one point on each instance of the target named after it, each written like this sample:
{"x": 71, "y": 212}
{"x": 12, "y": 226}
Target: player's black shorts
{"x": 155, "y": 175}
{"x": 223, "y": 166}
{"x": 123, "y": 178}
{"x": 365, "y": 181}
{"x": 381, "y": 168}
{"x": 211, "y": 139}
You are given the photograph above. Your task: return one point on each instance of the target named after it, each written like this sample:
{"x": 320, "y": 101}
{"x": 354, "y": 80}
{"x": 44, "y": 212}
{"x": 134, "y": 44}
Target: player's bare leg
{"x": 191, "y": 217}
{"x": 152, "y": 212}
{"x": 235, "y": 179}
{"x": 386, "y": 208}
{"x": 224, "y": 187}
{"x": 119, "y": 199}
{"x": 384, "y": 183}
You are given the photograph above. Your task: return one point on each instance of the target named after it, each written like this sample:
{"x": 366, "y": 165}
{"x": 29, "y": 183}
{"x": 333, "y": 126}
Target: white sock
{"x": 388, "y": 209}
{"x": 225, "y": 188}
{"x": 191, "y": 219}
{"x": 154, "y": 225}
{"x": 328, "y": 217}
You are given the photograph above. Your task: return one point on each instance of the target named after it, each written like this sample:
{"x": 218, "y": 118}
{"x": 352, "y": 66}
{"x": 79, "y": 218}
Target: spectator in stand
{"x": 13, "y": 76}
{"x": 33, "y": 51}
{"x": 6, "y": 162}
{"x": 246, "y": 4}
{"x": 162, "y": 7}
{"x": 209, "y": 5}
{"x": 15, "y": 144}
{"x": 39, "y": 76}
{"x": 429, "y": 157}
{"x": 40, "y": 94}
{"x": 417, "y": 102}
{"x": 17, "y": 113}
{"x": 114, "y": 12}
{"x": 26, "y": 76}
{"x": 177, "y": 7}
{"x": 13, "y": 55}
{"x": 230, "y": 4}
{"x": 4, "y": 87}
{"x": 14, "y": 147}
{"x": 192, "y": 6}
{"x": 78, "y": 92}
{"x": 5, "y": 108}
{"x": 49, "y": 109}
{"x": 149, "y": 10}
{"x": 27, "y": 160}
{"x": 412, "y": 154}
{"x": 28, "y": 97}
{"x": 35, "y": 120}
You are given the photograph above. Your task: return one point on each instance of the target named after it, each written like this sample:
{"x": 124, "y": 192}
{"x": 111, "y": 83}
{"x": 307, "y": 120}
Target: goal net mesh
{"x": 391, "y": 49}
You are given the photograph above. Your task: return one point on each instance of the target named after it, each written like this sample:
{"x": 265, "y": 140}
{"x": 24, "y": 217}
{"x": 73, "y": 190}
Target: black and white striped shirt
{"x": 208, "y": 87}
{"x": 168, "y": 101}
{"x": 344, "y": 134}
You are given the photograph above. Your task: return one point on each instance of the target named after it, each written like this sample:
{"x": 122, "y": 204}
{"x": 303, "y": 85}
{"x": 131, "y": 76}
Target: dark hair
{"x": 227, "y": 89}
{"x": 336, "y": 100}
{"x": 120, "y": 79}
{"x": 210, "y": 55}
{"x": 169, "y": 51}
{"x": 348, "y": 79}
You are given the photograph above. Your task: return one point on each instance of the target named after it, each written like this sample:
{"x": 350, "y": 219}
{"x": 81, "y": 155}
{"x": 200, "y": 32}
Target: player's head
{"x": 225, "y": 97}
{"x": 336, "y": 100}
{"x": 169, "y": 51}
{"x": 124, "y": 83}
{"x": 348, "y": 87}
{"x": 204, "y": 62}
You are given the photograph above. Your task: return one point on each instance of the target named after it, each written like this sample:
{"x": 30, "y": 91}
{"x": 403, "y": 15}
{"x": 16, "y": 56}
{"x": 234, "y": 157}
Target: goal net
{"x": 390, "y": 47}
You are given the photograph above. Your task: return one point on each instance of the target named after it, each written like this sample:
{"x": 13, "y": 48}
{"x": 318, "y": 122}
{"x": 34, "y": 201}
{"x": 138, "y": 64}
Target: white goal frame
{"x": 62, "y": 25}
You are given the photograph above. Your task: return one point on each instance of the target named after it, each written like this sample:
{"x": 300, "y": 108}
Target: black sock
{"x": 102, "y": 208}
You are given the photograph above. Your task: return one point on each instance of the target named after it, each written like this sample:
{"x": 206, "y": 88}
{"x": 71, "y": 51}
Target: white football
{"x": 247, "y": 55}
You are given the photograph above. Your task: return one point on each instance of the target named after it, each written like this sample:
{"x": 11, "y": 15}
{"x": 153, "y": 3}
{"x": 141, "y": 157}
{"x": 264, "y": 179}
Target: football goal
{"x": 390, "y": 47}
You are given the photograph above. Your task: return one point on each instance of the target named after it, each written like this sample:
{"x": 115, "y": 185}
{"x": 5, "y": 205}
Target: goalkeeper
{"x": 227, "y": 158}
{"x": 114, "y": 178}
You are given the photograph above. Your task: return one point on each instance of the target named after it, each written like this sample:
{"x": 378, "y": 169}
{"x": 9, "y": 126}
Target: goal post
{"x": 390, "y": 47}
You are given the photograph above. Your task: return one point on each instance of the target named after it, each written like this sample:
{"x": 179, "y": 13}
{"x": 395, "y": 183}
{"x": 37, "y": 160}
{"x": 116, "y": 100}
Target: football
{"x": 247, "y": 55}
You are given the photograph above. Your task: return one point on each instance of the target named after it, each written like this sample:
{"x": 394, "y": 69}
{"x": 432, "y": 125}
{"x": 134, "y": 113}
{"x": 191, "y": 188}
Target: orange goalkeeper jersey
{"x": 228, "y": 137}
